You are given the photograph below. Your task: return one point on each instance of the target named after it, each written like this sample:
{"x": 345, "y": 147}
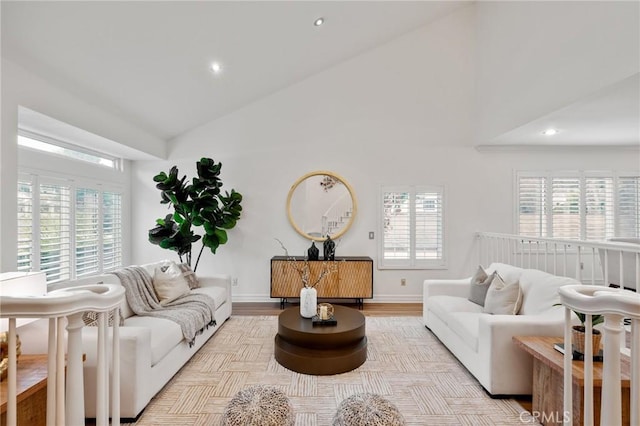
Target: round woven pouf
{"x": 367, "y": 409}
{"x": 259, "y": 406}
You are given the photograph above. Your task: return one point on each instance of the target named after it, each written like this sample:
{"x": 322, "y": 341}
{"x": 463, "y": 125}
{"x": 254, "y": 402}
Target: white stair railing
{"x": 590, "y": 262}
{"x": 67, "y": 407}
{"x": 614, "y": 305}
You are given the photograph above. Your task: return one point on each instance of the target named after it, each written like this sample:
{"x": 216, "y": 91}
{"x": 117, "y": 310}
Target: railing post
{"x": 75, "y": 383}
{"x": 587, "y": 415}
{"x": 611, "y": 400}
{"x": 635, "y": 371}
{"x": 51, "y": 373}
{"x": 12, "y": 382}
{"x": 567, "y": 396}
{"x": 60, "y": 379}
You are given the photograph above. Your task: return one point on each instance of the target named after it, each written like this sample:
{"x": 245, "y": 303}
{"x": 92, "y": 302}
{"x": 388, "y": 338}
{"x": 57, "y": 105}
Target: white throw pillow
{"x": 169, "y": 283}
{"x": 503, "y": 299}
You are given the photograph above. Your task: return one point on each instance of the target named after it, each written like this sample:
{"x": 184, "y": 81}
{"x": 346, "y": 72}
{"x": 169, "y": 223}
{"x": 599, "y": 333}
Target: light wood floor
{"x": 369, "y": 309}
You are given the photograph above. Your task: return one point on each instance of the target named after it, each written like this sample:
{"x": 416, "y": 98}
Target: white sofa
{"x": 152, "y": 350}
{"x": 483, "y": 342}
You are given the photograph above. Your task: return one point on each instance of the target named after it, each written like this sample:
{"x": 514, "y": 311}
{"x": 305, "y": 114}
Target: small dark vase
{"x": 329, "y": 249}
{"x": 313, "y": 252}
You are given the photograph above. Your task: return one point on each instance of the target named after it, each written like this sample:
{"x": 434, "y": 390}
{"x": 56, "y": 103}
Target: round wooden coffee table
{"x": 320, "y": 350}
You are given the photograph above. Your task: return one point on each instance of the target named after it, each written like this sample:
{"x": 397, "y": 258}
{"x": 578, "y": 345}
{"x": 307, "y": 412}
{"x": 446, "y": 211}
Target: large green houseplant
{"x": 195, "y": 204}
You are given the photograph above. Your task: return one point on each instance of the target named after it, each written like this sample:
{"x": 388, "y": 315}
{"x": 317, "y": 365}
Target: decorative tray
{"x": 315, "y": 320}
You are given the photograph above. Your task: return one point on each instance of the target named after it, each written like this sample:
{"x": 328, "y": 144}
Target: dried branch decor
{"x": 303, "y": 269}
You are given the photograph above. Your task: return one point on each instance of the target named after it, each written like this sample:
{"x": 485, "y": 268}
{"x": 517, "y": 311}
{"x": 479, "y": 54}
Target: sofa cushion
{"x": 502, "y": 298}
{"x": 165, "y": 334}
{"x": 465, "y": 325}
{"x": 443, "y": 306}
{"x": 219, "y": 294}
{"x": 480, "y": 283}
{"x": 169, "y": 283}
{"x": 540, "y": 290}
{"x": 510, "y": 274}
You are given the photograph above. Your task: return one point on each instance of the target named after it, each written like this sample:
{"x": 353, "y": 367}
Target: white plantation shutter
{"x": 397, "y": 225}
{"x": 87, "y": 204}
{"x": 55, "y": 231}
{"x": 428, "y": 209}
{"x": 581, "y": 205}
{"x": 25, "y": 224}
{"x": 599, "y": 208}
{"x": 67, "y": 230}
{"x": 532, "y": 211}
{"x": 565, "y": 207}
{"x": 412, "y": 228}
{"x": 628, "y": 207}
{"x": 111, "y": 230}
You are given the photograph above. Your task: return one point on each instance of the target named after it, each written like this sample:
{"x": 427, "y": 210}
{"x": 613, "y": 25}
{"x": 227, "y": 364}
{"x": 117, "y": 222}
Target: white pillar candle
{"x": 323, "y": 313}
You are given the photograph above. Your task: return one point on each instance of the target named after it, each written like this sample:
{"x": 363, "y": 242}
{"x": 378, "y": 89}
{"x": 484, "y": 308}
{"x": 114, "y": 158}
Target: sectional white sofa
{"x": 152, "y": 350}
{"x": 482, "y": 342}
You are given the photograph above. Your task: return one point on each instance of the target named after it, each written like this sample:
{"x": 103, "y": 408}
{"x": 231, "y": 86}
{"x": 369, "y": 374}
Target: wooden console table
{"x": 31, "y": 390}
{"x": 353, "y": 279}
{"x": 548, "y": 380}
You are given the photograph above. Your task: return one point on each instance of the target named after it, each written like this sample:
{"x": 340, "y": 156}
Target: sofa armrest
{"x": 217, "y": 280}
{"x": 457, "y": 287}
{"x": 135, "y": 365}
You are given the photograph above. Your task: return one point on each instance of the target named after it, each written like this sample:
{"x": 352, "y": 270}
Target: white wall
{"x": 400, "y": 114}
{"x": 23, "y": 88}
{"x": 536, "y": 57}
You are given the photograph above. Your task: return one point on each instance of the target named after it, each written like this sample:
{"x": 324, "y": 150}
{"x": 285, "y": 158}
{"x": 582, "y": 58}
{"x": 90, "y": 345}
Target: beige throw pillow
{"x": 170, "y": 283}
{"x": 503, "y": 299}
{"x": 480, "y": 283}
{"x": 189, "y": 275}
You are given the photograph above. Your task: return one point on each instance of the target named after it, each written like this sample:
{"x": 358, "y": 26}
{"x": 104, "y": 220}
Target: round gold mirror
{"x": 321, "y": 203}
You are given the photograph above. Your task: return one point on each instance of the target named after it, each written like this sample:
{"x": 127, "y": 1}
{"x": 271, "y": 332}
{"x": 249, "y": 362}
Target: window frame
{"x": 117, "y": 161}
{"x": 582, "y": 176}
{"x": 38, "y": 177}
{"x": 412, "y": 263}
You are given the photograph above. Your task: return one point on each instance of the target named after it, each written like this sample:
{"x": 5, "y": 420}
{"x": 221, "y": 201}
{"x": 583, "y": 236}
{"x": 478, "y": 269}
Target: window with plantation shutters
{"x": 111, "y": 230}
{"x": 25, "y": 224}
{"x": 55, "y": 231}
{"x": 66, "y": 229}
{"x": 565, "y": 207}
{"x": 412, "y": 228}
{"x": 86, "y": 230}
{"x": 532, "y": 208}
{"x": 579, "y": 205}
{"x": 628, "y": 207}
{"x": 599, "y": 223}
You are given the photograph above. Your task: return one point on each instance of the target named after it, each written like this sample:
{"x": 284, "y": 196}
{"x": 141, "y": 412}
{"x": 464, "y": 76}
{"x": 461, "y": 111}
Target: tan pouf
{"x": 367, "y": 409}
{"x": 259, "y": 406}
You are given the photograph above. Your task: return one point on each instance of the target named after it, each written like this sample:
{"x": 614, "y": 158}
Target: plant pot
{"x": 308, "y": 302}
{"x": 578, "y": 338}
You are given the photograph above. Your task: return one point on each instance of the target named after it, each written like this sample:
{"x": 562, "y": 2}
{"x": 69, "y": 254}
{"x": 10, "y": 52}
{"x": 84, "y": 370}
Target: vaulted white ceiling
{"x": 148, "y": 61}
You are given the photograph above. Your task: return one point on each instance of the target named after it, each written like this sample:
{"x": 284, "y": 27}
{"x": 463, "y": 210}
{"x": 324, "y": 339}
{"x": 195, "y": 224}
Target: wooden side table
{"x": 31, "y": 389}
{"x": 548, "y": 382}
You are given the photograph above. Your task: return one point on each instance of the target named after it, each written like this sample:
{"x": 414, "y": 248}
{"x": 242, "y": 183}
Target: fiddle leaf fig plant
{"x": 198, "y": 203}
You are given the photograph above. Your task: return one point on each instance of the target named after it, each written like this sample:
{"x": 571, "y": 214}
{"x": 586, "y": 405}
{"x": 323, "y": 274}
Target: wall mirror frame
{"x": 321, "y": 203}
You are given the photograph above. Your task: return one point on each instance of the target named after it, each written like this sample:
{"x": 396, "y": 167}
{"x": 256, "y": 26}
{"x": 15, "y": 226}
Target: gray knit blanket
{"x": 193, "y": 312}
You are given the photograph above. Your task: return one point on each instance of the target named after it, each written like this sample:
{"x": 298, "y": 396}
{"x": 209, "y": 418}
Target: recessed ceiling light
{"x": 550, "y": 132}
{"x": 318, "y": 22}
{"x": 216, "y": 68}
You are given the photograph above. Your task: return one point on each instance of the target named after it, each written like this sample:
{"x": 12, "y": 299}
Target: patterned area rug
{"x": 406, "y": 364}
